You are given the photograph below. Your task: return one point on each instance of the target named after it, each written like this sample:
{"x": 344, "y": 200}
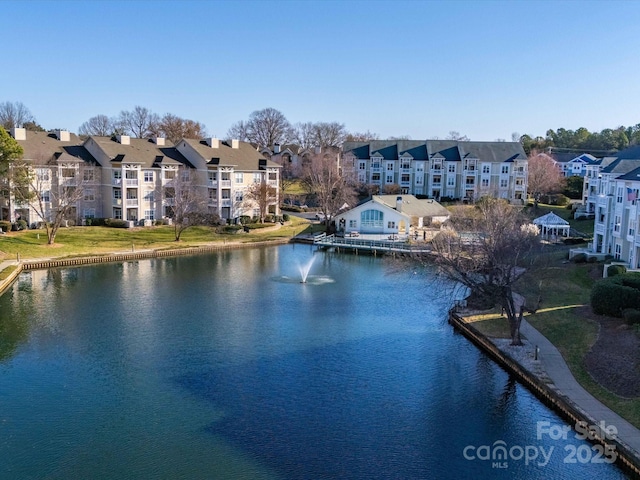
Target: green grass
{"x": 563, "y": 288}
{"x": 79, "y": 241}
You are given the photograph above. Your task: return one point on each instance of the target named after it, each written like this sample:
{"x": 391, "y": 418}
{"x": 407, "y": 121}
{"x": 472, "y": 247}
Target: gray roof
{"x": 245, "y": 157}
{"x": 140, "y": 151}
{"x": 413, "y": 206}
{"x": 633, "y": 175}
{"x": 621, "y": 166}
{"x": 449, "y": 150}
{"x": 44, "y": 147}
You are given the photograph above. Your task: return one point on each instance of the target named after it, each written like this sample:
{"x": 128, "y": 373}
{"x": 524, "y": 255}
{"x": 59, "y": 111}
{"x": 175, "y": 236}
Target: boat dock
{"x": 374, "y": 246}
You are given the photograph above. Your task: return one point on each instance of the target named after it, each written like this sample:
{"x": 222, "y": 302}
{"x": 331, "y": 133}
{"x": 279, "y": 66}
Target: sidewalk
{"x": 559, "y": 373}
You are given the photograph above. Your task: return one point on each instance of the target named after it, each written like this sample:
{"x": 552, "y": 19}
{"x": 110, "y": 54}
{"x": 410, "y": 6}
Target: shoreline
{"x": 532, "y": 374}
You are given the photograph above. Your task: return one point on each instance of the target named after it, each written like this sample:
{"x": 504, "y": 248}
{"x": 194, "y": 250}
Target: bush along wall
{"x": 611, "y": 296}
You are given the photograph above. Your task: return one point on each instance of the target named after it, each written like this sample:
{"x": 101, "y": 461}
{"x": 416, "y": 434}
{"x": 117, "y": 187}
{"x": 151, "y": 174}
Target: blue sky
{"x": 418, "y": 68}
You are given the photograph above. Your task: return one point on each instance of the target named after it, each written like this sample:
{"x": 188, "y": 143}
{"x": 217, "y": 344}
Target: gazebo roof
{"x": 551, "y": 220}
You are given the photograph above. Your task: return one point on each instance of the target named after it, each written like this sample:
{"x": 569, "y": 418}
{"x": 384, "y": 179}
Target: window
{"x": 451, "y": 182}
{"x": 405, "y": 178}
{"x": 391, "y": 224}
{"x": 452, "y": 168}
{"x": 88, "y": 175}
{"x": 149, "y": 215}
{"x": 375, "y": 165}
{"x": 257, "y": 178}
{"x": 46, "y": 196}
{"x": 225, "y": 176}
{"x": 375, "y": 177}
{"x": 486, "y": 169}
{"x": 437, "y": 179}
{"x": 505, "y": 169}
{"x": 484, "y": 182}
{"x": 619, "y": 195}
{"x": 616, "y": 224}
{"x": 148, "y": 177}
{"x": 68, "y": 172}
{"x": 89, "y": 195}
{"x": 117, "y": 174}
{"x": 213, "y": 176}
{"x": 239, "y": 196}
{"x": 371, "y": 219}
{"x": 239, "y": 177}
{"x": 186, "y": 175}
{"x": 406, "y": 165}
{"x": 504, "y": 183}
{"x": 353, "y": 224}
{"x": 226, "y": 194}
{"x": 213, "y": 194}
{"x": 632, "y": 228}
{"x": 89, "y": 213}
{"x": 149, "y": 196}
{"x": 43, "y": 174}
{"x": 419, "y": 167}
{"x": 470, "y": 182}
{"x": 131, "y": 174}
{"x": 389, "y": 178}
{"x": 117, "y": 213}
{"x": 618, "y": 251}
{"x": 117, "y": 193}
{"x": 169, "y": 174}
{"x": 362, "y": 165}
{"x": 390, "y": 167}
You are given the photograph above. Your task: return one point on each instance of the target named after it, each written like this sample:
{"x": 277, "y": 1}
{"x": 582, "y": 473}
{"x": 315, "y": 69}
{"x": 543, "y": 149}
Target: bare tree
{"x": 488, "y": 249}
{"x": 186, "y": 201}
{"x": 174, "y": 128}
{"x": 14, "y": 114}
{"x": 100, "y": 125}
{"x": 361, "y": 137}
{"x": 263, "y": 195}
{"x": 323, "y": 179}
{"x": 52, "y": 191}
{"x": 239, "y": 131}
{"x": 453, "y": 135}
{"x": 543, "y": 176}
{"x": 304, "y": 135}
{"x": 265, "y": 128}
{"x": 139, "y": 122}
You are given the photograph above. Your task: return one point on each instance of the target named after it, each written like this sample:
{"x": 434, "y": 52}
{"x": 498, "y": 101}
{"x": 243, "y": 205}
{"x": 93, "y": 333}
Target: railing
{"x": 226, "y": 202}
{"x": 212, "y": 183}
{"x": 116, "y": 181}
{"x": 225, "y": 183}
{"x": 364, "y": 244}
{"x": 132, "y": 202}
{"x": 132, "y": 182}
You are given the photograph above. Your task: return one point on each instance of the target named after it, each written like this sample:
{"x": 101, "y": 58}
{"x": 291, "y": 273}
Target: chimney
{"x": 399, "y": 204}
{"x": 276, "y": 148}
{"x": 19, "y": 133}
{"x": 235, "y": 143}
{"x": 213, "y": 142}
{"x": 123, "y": 139}
{"x": 318, "y": 150}
{"x": 159, "y": 141}
{"x": 63, "y": 135}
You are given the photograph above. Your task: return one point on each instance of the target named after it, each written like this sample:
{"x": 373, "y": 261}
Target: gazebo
{"x": 552, "y": 224}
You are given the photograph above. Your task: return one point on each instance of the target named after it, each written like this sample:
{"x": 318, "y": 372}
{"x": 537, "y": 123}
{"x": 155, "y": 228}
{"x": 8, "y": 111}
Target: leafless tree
{"x": 52, "y": 191}
{"x": 14, "y": 114}
{"x": 100, "y": 125}
{"x": 265, "y": 128}
{"x": 186, "y": 201}
{"x": 139, "y": 122}
{"x": 173, "y": 128}
{"x": 453, "y": 135}
{"x": 488, "y": 249}
{"x": 263, "y": 195}
{"x": 362, "y": 136}
{"x": 543, "y": 176}
{"x": 332, "y": 190}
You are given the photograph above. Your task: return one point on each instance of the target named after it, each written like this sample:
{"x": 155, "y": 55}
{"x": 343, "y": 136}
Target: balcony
{"x": 212, "y": 183}
{"x": 225, "y": 183}
{"x": 131, "y": 182}
{"x": 226, "y": 202}
{"x": 116, "y": 181}
{"x": 132, "y": 202}
{"x": 273, "y": 183}
{"x": 117, "y": 201}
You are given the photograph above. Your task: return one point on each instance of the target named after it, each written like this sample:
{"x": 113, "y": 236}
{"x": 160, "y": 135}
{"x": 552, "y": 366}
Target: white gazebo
{"x": 552, "y": 225}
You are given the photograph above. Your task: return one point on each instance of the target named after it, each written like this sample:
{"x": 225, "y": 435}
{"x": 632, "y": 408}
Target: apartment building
{"x": 611, "y": 191}
{"x": 440, "y": 169}
{"x": 135, "y": 179}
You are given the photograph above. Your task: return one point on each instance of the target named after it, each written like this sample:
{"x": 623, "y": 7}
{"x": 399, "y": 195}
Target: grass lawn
{"x": 564, "y": 287}
{"x": 78, "y": 241}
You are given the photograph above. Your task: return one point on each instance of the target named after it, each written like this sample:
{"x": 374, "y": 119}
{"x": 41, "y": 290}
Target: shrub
{"x": 611, "y": 296}
{"x": 580, "y": 258}
{"x": 631, "y": 316}
{"x": 5, "y": 225}
{"x": 244, "y": 219}
{"x": 115, "y": 223}
{"x": 573, "y": 240}
{"x": 285, "y": 217}
{"x": 613, "y": 270}
{"x": 22, "y": 224}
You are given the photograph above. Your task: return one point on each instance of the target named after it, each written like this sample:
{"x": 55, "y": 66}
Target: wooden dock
{"x": 374, "y": 247}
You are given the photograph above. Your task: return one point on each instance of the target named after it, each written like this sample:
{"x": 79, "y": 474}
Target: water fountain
{"x": 304, "y": 270}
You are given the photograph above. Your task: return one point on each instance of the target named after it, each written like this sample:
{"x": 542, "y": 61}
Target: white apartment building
{"x": 135, "y": 179}
{"x": 611, "y": 191}
{"x": 440, "y": 169}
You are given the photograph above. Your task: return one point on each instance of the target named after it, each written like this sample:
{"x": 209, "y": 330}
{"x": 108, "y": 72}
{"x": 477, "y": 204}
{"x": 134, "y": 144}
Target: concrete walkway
{"x": 564, "y": 381}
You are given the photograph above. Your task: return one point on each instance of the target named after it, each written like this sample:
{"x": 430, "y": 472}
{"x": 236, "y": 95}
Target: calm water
{"x": 224, "y": 366}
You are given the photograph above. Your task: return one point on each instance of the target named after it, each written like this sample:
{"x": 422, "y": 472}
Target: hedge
{"x": 613, "y": 270}
{"x": 611, "y": 296}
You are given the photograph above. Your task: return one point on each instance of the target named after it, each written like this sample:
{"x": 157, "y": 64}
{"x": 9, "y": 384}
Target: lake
{"x": 225, "y": 366}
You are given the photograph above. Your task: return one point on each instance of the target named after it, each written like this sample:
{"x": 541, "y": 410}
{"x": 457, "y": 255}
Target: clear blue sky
{"x": 418, "y": 68}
